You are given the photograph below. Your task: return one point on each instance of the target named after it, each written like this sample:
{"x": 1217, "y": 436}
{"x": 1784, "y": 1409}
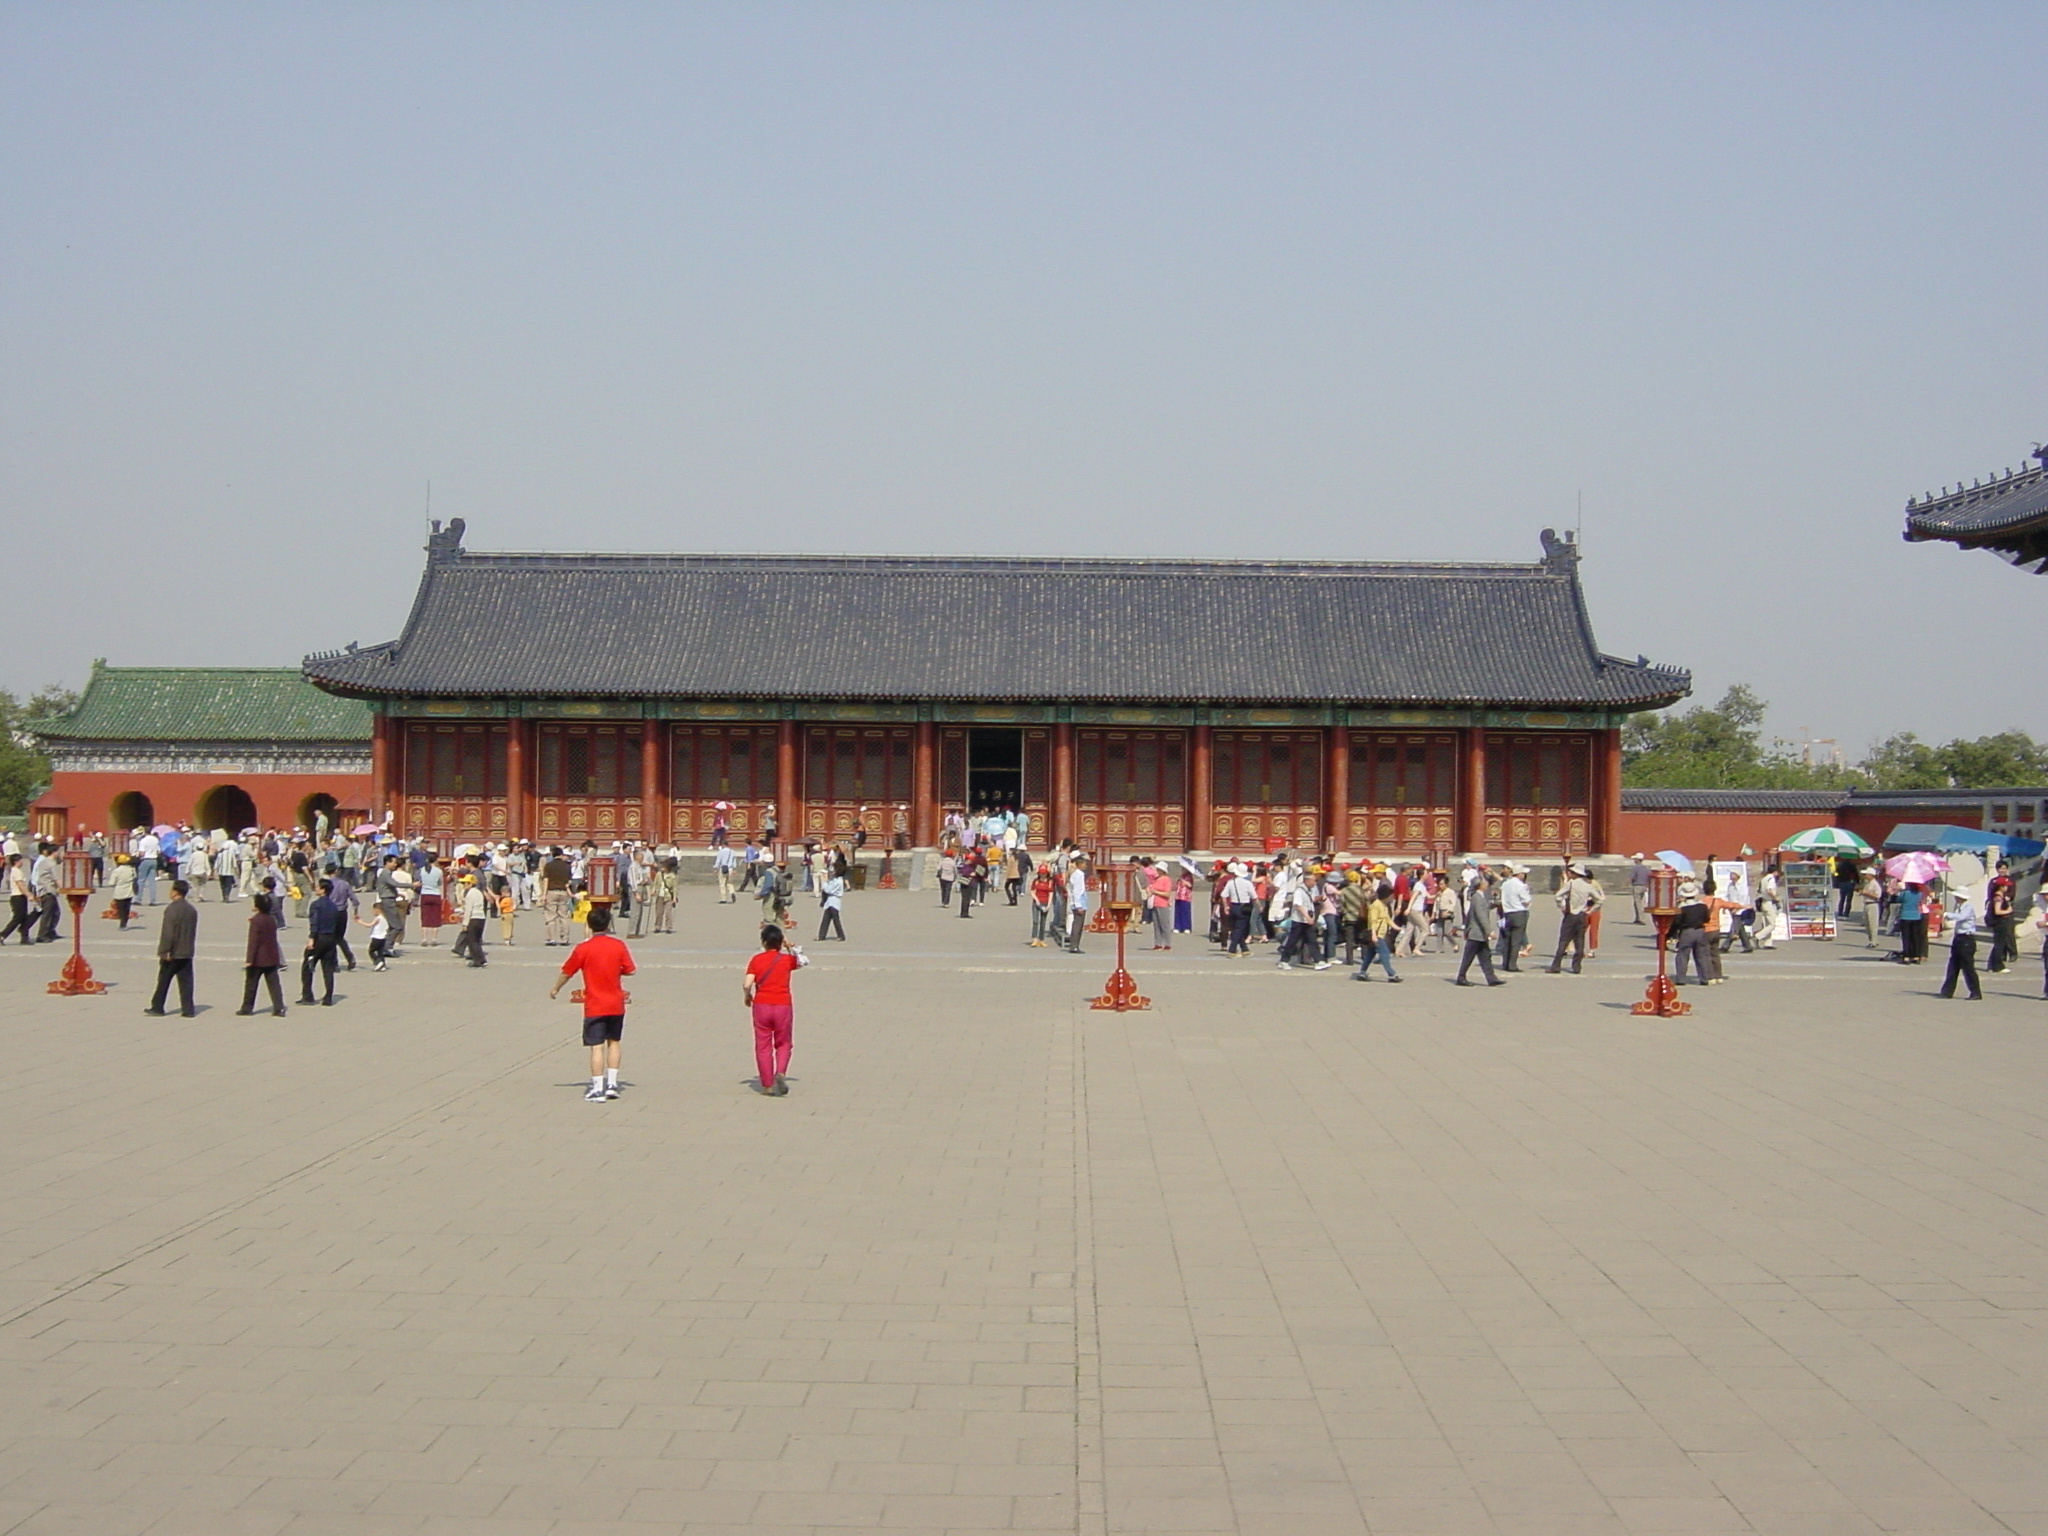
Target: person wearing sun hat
{"x": 1690, "y": 935}
{"x": 1639, "y": 886}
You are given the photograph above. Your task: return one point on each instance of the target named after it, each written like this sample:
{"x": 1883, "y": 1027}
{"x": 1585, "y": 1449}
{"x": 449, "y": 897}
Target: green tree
{"x": 1904, "y": 761}
{"x": 1992, "y": 762}
{"x": 1717, "y": 747}
{"x": 24, "y": 771}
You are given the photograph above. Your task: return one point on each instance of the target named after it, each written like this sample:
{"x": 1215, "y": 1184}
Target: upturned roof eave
{"x": 1660, "y": 699}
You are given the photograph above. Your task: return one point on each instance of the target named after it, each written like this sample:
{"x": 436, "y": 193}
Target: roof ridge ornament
{"x": 1560, "y": 550}
{"x": 443, "y": 547}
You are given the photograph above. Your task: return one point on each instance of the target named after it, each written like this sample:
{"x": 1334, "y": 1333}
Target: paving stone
{"x": 1279, "y": 1255}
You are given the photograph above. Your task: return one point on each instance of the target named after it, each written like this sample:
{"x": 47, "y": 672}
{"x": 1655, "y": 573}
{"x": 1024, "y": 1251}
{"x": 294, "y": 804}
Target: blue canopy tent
{"x": 1926, "y": 837}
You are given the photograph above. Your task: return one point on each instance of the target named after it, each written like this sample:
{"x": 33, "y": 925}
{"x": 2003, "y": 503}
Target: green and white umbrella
{"x": 1828, "y": 840}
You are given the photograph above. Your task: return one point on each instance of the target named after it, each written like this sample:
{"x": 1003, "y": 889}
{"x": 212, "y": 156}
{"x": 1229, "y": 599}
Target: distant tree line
{"x": 1722, "y": 747}
{"x": 24, "y": 771}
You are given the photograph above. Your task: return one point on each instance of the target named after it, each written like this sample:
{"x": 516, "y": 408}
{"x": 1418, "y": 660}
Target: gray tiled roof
{"x": 2009, "y": 514}
{"x": 943, "y": 627}
{"x": 1819, "y": 801}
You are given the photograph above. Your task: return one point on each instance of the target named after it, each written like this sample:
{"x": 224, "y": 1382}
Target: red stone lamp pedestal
{"x": 76, "y": 979}
{"x": 1660, "y": 1000}
{"x": 1120, "y": 992}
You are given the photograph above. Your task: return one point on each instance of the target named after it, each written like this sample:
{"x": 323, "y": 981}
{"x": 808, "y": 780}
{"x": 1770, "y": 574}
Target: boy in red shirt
{"x": 603, "y": 960}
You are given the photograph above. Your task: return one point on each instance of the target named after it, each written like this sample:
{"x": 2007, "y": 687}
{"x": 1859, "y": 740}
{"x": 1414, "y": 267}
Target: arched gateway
{"x": 1170, "y": 705}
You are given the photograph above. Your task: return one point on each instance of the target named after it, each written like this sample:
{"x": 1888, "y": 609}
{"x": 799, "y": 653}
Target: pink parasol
{"x": 1915, "y": 868}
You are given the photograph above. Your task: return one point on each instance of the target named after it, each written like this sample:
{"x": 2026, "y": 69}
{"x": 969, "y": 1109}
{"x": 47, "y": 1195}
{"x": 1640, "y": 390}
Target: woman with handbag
{"x": 764, "y": 989}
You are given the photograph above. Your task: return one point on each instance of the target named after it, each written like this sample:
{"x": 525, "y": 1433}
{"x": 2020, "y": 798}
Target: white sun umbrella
{"x": 1828, "y": 840}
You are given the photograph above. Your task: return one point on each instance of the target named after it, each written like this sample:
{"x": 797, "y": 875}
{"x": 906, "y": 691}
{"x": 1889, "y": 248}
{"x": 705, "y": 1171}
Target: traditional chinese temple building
{"x": 1172, "y": 704}
{"x": 215, "y": 747}
{"x": 2007, "y": 514}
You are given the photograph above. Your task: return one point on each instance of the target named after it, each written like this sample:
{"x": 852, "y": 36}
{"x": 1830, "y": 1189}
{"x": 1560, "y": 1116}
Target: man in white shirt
{"x": 45, "y": 876}
{"x": 1514, "y": 916}
{"x": 723, "y": 859}
{"x": 147, "y": 848}
{"x": 1962, "y": 949}
{"x": 1077, "y": 903}
{"x": 1240, "y": 897}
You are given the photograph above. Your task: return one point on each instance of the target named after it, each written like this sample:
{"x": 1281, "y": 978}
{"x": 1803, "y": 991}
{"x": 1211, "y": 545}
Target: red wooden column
{"x": 789, "y": 807}
{"x": 382, "y": 734}
{"x": 653, "y": 800}
{"x": 1336, "y": 786}
{"x": 1061, "y": 813}
{"x": 924, "y": 786}
{"x": 518, "y": 766}
{"x": 1605, "y": 832}
{"x": 1202, "y": 790}
{"x": 1471, "y": 828}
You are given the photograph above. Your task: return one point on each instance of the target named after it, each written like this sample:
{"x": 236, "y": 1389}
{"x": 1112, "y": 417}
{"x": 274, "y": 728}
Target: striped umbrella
{"x": 1828, "y": 840}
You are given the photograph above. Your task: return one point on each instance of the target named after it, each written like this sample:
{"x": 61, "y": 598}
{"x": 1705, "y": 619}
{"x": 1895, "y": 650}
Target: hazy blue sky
{"x": 1342, "y": 281}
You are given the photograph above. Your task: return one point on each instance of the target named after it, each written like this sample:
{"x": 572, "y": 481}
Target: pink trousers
{"x": 771, "y": 1040}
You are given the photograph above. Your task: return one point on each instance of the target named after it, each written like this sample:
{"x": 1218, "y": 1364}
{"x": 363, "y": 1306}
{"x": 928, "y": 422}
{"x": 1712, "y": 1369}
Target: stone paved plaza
{"x": 1286, "y": 1254}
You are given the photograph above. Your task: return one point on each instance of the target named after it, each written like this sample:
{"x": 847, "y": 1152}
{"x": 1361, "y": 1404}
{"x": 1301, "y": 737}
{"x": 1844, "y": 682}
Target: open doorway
{"x": 313, "y": 807}
{"x": 995, "y": 768}
{"x": 225, "y": 808}
{"x": 129, "y": 811}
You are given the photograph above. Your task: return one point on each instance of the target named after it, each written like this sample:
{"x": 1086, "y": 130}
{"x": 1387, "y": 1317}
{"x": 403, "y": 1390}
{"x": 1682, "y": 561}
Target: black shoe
{"x": 244, "y": 1013}
{"x": 326, "y": 1002}
{"x": 1551, "y": 970}
{"x": 154, "y": 1013}
{"x": 1393, "y": 978}
{"x": 189, "y": 1013}
{"x": 306, "y": 1002}
{"x": 1462, "y": 982}
{"x": 277, "y": 1013}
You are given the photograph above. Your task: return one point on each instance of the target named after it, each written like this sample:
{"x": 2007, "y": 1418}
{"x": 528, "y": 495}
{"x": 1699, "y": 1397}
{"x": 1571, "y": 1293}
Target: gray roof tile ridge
{"x": 1138, "y": 565}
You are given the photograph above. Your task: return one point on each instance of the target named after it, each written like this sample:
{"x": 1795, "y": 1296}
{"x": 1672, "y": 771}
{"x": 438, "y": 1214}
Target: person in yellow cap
{"x": 474, "y": 907}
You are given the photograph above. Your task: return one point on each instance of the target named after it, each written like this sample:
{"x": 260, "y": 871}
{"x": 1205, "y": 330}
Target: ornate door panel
{"x": 1538, "y": 792}
{"x": 1269, "y": 787}
{"x": 1037, "y": 802}
{"x": 1130, "y": 788}
{"x": 590, "y": 782}
{"x": 1404, "y": 790}
{"x": 455, "y": 782}
{"x": 848, "y": 767}
{"x": 710, "y": 763}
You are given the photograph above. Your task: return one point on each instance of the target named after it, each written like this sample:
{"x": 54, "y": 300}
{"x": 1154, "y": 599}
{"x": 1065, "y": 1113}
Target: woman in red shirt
{"x": 766, "y": 992}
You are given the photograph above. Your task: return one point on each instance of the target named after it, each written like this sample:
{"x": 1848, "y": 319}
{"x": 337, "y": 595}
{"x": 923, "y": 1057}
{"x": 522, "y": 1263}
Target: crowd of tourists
{"x": 1315, "y": 913}
{"x": 1308, "y": 912}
